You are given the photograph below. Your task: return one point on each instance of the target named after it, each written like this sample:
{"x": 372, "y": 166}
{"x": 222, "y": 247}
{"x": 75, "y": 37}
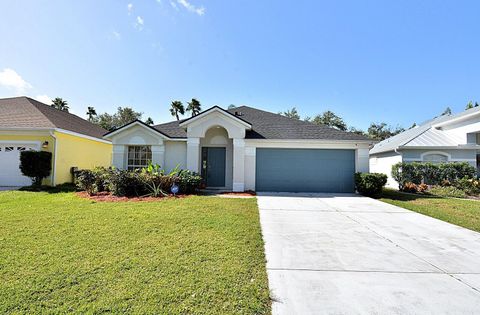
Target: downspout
{"x": 52, "y": 134}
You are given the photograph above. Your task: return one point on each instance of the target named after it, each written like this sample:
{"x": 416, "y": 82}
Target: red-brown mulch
{"x": 245, "y": 193}
{"x": 107, "y": 197}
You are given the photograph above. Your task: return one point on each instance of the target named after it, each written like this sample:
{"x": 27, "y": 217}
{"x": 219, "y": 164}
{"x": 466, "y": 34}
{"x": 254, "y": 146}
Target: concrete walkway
{"x": 345, "y": 254}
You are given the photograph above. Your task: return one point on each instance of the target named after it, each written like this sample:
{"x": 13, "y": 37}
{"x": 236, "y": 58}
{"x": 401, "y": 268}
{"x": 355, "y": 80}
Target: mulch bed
{"x": 247, "y": 193}
{"x": 107, "y": 197}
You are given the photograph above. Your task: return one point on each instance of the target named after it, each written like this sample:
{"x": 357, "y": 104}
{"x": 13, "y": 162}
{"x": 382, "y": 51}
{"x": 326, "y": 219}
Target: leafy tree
{"x": 381, "y": 131}
{"x": 357, "y": 131}
{"x": 471, "y": 105}
{"x": 291, "y": 113}
{"x": 413, "y": 126}
{"x": 177, "y": 108}
{"x": 149, "y": 121}
{"x": 91, "y": 113}
{"x": 329, "y": 118}
{"x": 194, "y": 107}
{"x": 447, "y": 111}
{"x": 232, "y": 106}
{"x": 123, "y": 116}
{"x": 60, "y": 104}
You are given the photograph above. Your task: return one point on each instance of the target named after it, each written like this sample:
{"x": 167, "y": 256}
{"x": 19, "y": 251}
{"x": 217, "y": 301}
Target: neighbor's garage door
{"x": 10, "y": 174}
{"x": 305, "y": 170}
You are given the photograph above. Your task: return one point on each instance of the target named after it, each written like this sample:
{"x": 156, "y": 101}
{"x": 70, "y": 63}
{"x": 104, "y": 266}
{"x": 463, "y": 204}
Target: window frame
{"x": 137, "y": 161}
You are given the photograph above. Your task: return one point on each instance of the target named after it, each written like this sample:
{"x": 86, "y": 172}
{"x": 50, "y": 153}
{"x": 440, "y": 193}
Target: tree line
{"x": 377, "y": 131}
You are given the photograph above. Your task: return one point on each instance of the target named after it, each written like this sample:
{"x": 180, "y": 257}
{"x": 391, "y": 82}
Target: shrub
{"x": 431, "y": 173}
{"x": 36, "y": 164}
{"x": 470, "y": 186}
{"x": 422, "y": 188}
{"x": 370, "y": 184}
{"x": 409, "y": 187}
{"x": 448, "y": 191}
{"x": 85, "y": 180}
{"x": 406, "y": 173}
{"x": 188, "y": 181}
{"x": 126, "y": 183}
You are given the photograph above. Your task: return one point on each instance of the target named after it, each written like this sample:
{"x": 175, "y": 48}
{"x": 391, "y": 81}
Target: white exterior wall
{"x": 175, "y": 154}
{"x": 382, "y": 163}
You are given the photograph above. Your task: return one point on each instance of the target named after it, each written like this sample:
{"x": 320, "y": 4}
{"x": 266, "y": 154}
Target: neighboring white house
{"x": 247, "y": 149}
{"x": 450, "y": 138}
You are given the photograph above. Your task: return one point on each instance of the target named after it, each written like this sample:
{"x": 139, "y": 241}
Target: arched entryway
{"x": 216, "y": 158}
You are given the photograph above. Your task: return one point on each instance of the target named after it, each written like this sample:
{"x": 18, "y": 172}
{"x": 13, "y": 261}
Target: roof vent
{"x": 238, "y": 113}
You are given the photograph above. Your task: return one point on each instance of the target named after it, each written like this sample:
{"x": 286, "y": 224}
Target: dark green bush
{"x": 431, "y": 173}
{"x": 370, "y": 184}
{"x": 86, "y": 180}
{"x": 188, "y": 181}
{"x": 151, "y": 181}
{"x": 36, "y": 164}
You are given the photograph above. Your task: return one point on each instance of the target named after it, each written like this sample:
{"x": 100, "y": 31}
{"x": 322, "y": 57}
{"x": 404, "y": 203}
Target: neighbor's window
{"x": 139, "y": 156}
{"x": 435, "y": 158}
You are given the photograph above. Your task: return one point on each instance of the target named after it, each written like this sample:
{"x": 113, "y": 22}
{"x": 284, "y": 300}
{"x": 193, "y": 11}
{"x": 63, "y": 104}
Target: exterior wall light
{"x": 45, "y": 144}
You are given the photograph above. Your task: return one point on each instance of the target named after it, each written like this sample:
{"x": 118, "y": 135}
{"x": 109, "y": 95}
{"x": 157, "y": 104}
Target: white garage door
{"x": 10, "y": 174}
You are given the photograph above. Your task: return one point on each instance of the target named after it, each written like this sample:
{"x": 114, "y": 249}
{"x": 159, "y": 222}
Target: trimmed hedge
{"x": 36, "y": 164}
{"x": 370, "y": 184}
{"x": 431, "y": 173}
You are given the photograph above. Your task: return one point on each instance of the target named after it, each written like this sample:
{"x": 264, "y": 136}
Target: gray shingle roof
{"x": 266, "y": 125}
{"x": 24, "y": 112}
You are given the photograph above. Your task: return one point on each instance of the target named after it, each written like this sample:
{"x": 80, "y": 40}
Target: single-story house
{"x": 448, "y": 138}
{"x": 247, "y": 149}
{"x": 26, "y": 124}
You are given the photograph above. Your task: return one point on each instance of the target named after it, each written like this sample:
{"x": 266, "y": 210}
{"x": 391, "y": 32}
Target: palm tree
{"x": 177, "y": 108}
{"x": 194, "y": 106}
{"x": 91, "y": 113}
{"x": 60, "y": 104}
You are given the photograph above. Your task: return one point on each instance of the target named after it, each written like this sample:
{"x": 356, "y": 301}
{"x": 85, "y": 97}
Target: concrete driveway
{"x": 346, "y": 254}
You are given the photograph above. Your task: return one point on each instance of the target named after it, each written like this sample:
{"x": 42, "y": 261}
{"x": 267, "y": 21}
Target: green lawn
{"x": 195, "y": 255}
{"x": 461, "y": 212}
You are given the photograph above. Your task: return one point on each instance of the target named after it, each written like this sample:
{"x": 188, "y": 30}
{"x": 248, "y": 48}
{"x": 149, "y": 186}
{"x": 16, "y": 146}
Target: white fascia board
{"x": 457, "y": 147}
{"x": 80, "y": 135}
{"x": 26, "y": 131}
{"x": 457, "y": 119}
{"x": 136, "y": 123}
{"x": 215, "y": 110}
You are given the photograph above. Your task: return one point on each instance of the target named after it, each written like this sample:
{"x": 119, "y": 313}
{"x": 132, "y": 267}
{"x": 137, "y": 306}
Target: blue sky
{"x": 394, "y": 61}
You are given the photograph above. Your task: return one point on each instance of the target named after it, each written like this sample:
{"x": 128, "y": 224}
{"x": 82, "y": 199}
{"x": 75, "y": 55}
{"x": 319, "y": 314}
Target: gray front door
{"x": 305, "y": 170}
{"x": 213, "y": 166}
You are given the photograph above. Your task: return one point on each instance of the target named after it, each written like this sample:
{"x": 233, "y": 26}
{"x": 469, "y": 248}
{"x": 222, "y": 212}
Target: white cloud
{"x": 12, "y": 80}
{"x": 192, "y": 8}
{"x": 129, "y": 8}
{"x": 116, "y": 35}
{"x": 44, "y": 99}
{"x": 174, "y": 5}
{"x": 139, "y": 23}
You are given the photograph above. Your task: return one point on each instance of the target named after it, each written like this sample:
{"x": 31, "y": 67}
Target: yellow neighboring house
{"x": 26, "y": 124}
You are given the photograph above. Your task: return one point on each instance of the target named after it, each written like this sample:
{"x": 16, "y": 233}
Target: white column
{"x": 119, "y": 156}
{"x": 362, "y": 160}
{"x": 250, "y": 161}
{"x": 193, "y": 154}
{"x": 158, "y": 155}
{"x": 238, "y": 164}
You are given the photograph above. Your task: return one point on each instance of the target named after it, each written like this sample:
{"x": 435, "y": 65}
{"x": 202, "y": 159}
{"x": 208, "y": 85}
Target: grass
{"x": 461, "y": 212}
{"x": 195, "y": 255}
